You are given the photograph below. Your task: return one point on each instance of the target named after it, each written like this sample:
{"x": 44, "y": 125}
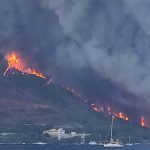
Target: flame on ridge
{"x": 103, "y": 107}
{"x": 109, "y": 110}
{"x": 121, "y": 115}
{"x": 14, "y": 60}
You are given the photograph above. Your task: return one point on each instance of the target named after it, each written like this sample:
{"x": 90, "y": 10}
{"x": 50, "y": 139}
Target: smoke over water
{"x": 90, "y": 44}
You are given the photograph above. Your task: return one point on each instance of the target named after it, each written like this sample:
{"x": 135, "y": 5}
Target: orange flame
{"x": 121, "y": 115}
{"x": 15, "y": 61}
{"x": 142, "y": 121}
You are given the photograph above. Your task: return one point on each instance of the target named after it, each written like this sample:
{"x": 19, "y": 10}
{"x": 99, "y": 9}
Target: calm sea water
{"x": 69, "y": 147}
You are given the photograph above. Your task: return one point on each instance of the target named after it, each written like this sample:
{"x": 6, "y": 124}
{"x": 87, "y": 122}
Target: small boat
{"x": 129, "y": 144}
{"x": 113, "y": 143}
{"x": 40, "y": 143}
{"x": 92, "y": 143}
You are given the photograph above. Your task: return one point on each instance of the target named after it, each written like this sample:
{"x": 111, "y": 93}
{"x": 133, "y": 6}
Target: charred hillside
{"x": 28, "y": 99}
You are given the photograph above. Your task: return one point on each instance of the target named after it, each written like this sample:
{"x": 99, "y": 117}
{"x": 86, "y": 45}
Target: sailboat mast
{"x": 112, "y": 121}
{"x": 129, "y": 140}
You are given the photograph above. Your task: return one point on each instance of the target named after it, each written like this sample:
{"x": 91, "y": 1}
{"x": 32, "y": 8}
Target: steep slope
{"x": 29, "y": 100}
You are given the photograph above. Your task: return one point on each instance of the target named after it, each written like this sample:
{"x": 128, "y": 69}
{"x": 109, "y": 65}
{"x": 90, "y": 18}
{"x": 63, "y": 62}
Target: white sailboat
{"x": 113, "y": 143}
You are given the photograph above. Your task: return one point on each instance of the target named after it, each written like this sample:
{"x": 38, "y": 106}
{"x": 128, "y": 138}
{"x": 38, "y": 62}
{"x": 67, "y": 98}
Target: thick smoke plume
{"x": 113, "y": 39}
{"x": 70, "y": 39}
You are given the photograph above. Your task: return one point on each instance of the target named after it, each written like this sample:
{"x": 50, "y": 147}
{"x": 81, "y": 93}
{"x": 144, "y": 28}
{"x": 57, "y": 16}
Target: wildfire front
{"x": 15, "y": 61}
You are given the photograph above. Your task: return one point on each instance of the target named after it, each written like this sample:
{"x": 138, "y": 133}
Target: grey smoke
{"x": 113, "y": 37}
{"x": 110, "y": 36}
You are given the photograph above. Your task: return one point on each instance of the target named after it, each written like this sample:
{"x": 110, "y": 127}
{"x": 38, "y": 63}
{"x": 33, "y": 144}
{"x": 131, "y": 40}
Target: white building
{"x": 51, "y": 132}
{"x": 60, "y": 133}
{"x": 73, "y": 134}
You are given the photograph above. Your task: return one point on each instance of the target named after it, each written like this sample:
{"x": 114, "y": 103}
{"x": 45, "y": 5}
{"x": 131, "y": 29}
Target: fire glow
{"x": 109, "y": 111}
{"x": 103, "y": 108}
{"x": 15, "y": 61}
{"x": 121, "y": 115}
{"x": 95, "y": 107}
{"x": 106, "y": 108}
{"x": 142, "y": 121}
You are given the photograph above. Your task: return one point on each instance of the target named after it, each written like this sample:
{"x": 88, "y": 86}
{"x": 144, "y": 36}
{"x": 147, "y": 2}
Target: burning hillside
{"x": 109, "y": 111}
{"x": 118, "y": 114}
{"x": 106, "y": 108}
{"x": 14, "y": 60}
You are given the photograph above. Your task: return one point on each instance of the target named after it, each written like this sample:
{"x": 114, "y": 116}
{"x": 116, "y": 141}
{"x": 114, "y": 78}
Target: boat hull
{"x": 113, "y": 145}
{"x": 92, "y": 143}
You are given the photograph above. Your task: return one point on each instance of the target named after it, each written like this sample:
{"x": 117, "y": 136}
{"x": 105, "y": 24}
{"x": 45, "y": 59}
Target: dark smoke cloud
{"x": 113, "y": 38}
{"x": 83, "y": 42}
